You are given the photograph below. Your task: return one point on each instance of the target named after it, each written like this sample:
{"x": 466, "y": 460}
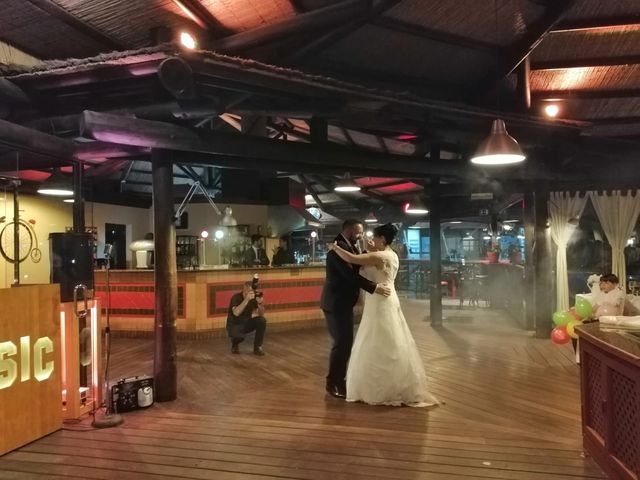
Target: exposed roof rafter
{"x": 586, "y": 62}
{"x": 74, "y": 22}
{"x": 418, "y": 31}
{"x": 597, "y": 23}
{"x": 523, "y": 47}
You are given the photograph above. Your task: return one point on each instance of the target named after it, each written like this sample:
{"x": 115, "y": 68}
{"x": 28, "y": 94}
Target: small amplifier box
{"x": 132, "y": 393}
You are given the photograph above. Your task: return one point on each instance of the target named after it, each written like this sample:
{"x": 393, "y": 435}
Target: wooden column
{"x": 529, "y": 256}
{"x": 165, "y": 276}
{"x": 523, "y": 88}
{"x": 435, "y": 261}
{"x": 254, "y": 125}
{"x": 543, "y": 283}
{"x": 78, "y": 198}
{"x": 318, "y": 130}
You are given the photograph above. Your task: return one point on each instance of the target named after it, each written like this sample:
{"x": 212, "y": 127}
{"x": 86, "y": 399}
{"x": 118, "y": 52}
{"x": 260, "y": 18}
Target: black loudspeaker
{"x": 71, "y": 257}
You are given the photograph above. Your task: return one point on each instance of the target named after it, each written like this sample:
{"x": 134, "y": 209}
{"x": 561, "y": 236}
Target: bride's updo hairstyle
{"x": 388, "y": 231}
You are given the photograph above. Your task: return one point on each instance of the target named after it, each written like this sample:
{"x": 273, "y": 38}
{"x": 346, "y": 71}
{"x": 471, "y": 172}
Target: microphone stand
{"x": 109, "y": 418}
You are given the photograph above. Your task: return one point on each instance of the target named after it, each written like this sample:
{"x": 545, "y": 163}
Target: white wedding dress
{"x": 385, "y": 366}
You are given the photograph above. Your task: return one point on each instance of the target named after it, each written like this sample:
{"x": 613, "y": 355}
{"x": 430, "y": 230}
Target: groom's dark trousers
{"x": 339, "y": 295}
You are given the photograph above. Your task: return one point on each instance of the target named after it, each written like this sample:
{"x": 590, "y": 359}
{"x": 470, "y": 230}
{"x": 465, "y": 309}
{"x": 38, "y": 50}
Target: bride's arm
{"x": 372, "y": 258}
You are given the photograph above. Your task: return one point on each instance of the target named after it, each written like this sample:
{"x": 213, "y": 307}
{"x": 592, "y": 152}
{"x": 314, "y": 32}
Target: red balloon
{"x": 574, "y": 314}
{"x": 559, "y": 335}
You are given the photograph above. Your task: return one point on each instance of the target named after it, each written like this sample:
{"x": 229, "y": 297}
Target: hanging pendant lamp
{"x": 346, "y": 184}
{"x": 417, "y": 207}
{"x": 228, "y": 220}
{"x": 499, "y": 148}
{"x": 57, "y": 185}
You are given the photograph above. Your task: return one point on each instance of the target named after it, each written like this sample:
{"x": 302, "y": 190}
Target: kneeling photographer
{"x": 246, "y": 314}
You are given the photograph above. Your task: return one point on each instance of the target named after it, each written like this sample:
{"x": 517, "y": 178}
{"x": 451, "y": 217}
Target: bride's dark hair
{"x": 388, "y": 231}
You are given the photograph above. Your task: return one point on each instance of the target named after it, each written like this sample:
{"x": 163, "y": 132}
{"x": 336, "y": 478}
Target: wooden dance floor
{"x": 512, "y": 411}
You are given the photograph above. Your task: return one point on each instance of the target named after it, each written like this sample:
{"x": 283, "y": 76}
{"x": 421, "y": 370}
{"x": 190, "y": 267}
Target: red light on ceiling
{"x": 399, "y": 187}
{"x": 406, "y": 137}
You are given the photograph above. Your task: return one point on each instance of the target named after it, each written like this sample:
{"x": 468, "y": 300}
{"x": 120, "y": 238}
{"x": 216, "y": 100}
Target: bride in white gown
{"x": 385, "y": 366}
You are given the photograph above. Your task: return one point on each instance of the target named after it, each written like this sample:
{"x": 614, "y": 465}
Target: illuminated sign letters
{"x": 9, "y": 367}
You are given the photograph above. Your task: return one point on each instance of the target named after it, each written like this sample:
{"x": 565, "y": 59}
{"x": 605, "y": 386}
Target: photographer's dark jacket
{"x": 343, "y": 283}
{"x": 235, "y": 324}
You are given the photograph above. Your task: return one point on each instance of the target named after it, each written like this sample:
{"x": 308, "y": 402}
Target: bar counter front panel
{"x": 292, "y": 298}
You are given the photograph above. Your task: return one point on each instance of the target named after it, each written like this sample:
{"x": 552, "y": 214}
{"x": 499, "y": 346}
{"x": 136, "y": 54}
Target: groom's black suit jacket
{"x": 343, "y": 281}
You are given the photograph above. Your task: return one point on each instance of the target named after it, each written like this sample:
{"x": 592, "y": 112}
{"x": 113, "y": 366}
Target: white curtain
{"x": 618, "y": 215}
{"x": 564, "y": 211}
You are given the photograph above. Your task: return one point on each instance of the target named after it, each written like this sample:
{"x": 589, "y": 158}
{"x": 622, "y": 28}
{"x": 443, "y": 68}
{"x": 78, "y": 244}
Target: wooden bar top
{"x": 619, "y": 342}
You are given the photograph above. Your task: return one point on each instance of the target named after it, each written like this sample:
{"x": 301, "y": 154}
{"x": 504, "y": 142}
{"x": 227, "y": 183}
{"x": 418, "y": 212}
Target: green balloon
{"x": 562, "y": 318}
{"x": 583, "y": 308}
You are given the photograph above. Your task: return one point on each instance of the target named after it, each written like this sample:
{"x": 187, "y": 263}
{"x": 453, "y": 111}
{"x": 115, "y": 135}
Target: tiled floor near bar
{"x": 512, "y": 411}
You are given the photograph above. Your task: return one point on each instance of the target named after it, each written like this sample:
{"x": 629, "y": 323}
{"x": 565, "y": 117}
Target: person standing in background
{"x": 283, "y": 255}
{"x": 256, "y": 255}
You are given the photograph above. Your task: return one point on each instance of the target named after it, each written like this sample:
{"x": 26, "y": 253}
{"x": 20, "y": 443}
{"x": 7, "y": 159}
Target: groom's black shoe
{"x": 336, "y": 391}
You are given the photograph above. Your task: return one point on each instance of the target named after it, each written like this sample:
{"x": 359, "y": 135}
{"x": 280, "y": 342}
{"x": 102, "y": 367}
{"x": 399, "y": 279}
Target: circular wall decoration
{"x": 25, "y": 237}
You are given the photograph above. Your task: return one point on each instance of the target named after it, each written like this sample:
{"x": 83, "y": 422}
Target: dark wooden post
{"x": 529, "y": 260}
{"x": 319, "y": 130}
{"x": 165, "y": 277}
{"x": 78, "y": 198}
{"x": 523, "y": 88}
{"x": 435, "y": 261}
{"x": 543, "y": 284}
{"x": 254, "y": 125}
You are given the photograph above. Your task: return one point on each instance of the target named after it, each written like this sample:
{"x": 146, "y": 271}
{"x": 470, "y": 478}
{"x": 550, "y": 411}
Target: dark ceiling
{"x": 401, "y": 90}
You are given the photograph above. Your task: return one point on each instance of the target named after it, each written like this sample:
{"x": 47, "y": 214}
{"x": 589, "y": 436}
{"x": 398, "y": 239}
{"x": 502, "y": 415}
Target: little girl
{"x": 610, "y": 300}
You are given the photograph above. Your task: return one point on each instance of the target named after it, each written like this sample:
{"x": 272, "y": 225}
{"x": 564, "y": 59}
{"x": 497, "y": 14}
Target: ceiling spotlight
{"x": 369, "y": 234}
{"x": 204, "y": 234}
{"x": 188, "y": 41}
{"x": 551, "y": 110}
{"x": 346, "y": 185}
{"x": 314, "y": 234}
{"x": 371, "y": 218}
{"x": 416, "y": 208}
{"x": 219, "y": 234}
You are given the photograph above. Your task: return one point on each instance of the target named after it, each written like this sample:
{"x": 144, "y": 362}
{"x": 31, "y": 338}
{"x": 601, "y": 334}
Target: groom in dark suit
{"x": 339, "y": 295}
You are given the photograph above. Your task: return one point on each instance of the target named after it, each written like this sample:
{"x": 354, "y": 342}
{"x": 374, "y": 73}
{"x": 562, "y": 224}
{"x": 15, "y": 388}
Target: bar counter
{"x": 292, "y": 298}
{"x": 610, "y": 384}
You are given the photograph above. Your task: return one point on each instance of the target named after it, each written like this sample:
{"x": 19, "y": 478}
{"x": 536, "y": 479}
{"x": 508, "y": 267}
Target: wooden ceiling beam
{"x": 337, "y": 34}
{"x": 613, "y": 120}
{"x": 302, "y": 23}
{"x": 587, "y": 94}
{"x": 523, "y": 47}
{"x": 597, "y": 23}
{"x": 59, "y": 13}
{"x": 149, "y": 134}
{"x": 393, "y": 24}
{"x": 201, "y": 15}
{"x": 611, "y": 61}
{"x": 25, "y": 139}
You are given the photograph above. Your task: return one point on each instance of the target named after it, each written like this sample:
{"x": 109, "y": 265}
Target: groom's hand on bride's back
{"x": 383, "y": 289}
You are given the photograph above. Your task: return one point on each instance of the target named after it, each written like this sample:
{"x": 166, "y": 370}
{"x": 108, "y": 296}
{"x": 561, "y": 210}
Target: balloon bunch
{"x": 567, "y": 321}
